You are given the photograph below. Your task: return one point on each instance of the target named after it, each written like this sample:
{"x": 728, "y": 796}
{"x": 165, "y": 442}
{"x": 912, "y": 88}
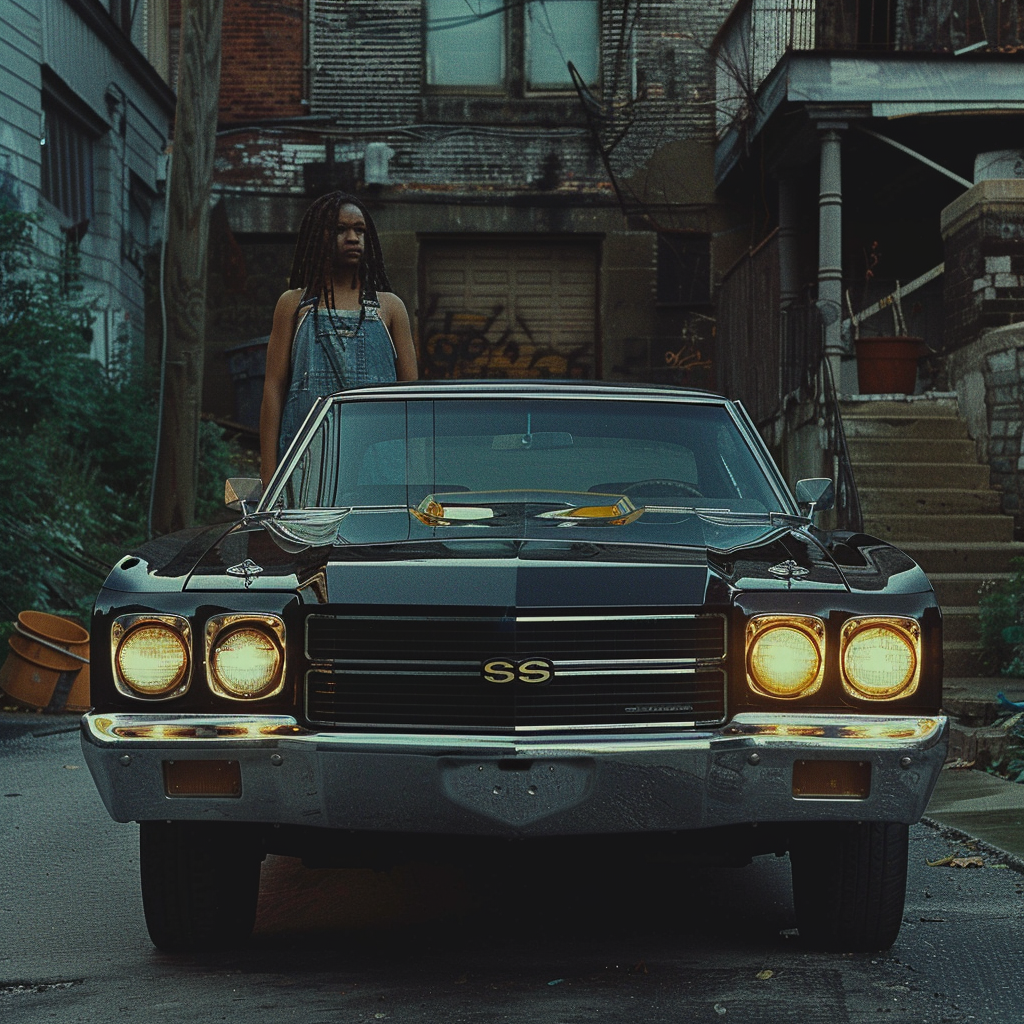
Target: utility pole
{"x": 191, "y": 173}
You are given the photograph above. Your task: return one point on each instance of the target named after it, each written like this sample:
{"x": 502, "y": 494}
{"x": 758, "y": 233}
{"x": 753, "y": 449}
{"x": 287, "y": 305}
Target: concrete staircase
{"x": 922, "y": 487}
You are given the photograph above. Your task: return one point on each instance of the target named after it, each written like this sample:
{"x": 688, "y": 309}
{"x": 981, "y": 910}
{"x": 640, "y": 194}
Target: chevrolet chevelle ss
{"x": 563, "y": 616}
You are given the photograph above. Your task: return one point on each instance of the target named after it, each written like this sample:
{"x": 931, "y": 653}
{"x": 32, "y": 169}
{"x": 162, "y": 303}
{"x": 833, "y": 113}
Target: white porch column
{"x": 830, "y": 241}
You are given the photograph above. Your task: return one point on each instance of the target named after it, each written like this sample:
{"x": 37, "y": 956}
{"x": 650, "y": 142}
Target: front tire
{"x": 849, "y": 884}
{"x": 200, "y": 883}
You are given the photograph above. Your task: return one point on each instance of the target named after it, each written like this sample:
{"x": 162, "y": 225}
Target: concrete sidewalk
{"x": 982, "y": 805}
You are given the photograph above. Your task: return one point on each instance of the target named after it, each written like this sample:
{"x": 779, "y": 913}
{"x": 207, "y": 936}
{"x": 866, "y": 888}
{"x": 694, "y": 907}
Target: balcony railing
{"x": 759, "y": 33}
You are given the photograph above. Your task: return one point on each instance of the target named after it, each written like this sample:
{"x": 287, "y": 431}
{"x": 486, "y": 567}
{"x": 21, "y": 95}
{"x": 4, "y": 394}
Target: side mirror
{"x": 242, "y": 493}
{"x": 815, "y": 494}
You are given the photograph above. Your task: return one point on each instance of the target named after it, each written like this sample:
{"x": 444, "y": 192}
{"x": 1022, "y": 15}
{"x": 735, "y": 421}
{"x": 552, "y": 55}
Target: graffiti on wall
{"x": 681, "y": 353}
{"x": 689, "y": 358}
{"x": 485, "y": 345}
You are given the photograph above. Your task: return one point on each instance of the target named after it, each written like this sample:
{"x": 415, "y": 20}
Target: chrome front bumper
{"x": 511, "y": 785}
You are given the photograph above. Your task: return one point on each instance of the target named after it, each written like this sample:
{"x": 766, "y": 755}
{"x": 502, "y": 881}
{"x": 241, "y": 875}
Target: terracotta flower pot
{"x": 888, "y": 366}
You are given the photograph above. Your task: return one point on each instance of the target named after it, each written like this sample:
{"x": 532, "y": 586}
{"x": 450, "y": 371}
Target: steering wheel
{"x": 677, "y": 485}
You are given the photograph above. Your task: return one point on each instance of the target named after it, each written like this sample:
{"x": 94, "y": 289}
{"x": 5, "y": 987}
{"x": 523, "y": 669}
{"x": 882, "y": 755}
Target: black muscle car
{"x": 467, "y": 612}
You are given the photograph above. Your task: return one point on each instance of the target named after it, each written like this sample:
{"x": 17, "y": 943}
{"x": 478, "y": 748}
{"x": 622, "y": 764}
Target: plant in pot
{"x": 887, "y": 364}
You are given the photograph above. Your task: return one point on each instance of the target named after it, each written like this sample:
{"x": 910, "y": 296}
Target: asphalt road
{"x": 426, "y": 944}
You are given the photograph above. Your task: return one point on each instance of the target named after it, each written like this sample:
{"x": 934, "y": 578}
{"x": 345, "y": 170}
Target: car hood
{"x": 379, "y": 557}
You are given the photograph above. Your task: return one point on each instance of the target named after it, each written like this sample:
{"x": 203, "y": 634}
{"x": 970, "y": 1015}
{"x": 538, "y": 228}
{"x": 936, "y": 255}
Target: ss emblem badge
{"x": 533, "y": 670}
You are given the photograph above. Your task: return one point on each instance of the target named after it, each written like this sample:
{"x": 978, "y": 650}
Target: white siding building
{"x": 85, "y": 117}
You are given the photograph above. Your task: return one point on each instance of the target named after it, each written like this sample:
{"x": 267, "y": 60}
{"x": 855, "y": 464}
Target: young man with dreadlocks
{"x": 338, "y": 326}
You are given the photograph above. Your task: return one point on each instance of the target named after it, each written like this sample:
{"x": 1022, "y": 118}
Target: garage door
{"x": 508, "y": 309}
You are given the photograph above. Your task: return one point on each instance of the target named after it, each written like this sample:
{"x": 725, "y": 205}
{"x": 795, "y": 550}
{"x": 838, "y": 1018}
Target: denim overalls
{"x": 333, "y": 352}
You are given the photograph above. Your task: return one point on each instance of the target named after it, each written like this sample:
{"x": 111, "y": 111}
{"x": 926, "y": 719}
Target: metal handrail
{"x": 849, "y": 515}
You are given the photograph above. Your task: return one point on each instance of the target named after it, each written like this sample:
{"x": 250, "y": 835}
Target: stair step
{"x": 960, "y": 624}
{"x": 973, "y": 698}
{"x": 975, "y": 557}
{"x": 904, "y": 426}
{"x": 912, "y": 449}
{"x": 928, "y": 501}
{"x": 960, "y": 658}
{"x": 903, "y": 529}
{"x": 911, "y": 476}
{"x": 936, "y": 404}
{"x": 961, "y": 588}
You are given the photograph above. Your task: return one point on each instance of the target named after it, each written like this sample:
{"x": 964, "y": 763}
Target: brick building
{"x": 534, "y": 225}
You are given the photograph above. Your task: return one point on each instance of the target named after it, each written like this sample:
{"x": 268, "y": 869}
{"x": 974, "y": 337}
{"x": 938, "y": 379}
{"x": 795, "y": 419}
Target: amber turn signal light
{"x": 202, "y": 778}
{"x": 831, "y": 780}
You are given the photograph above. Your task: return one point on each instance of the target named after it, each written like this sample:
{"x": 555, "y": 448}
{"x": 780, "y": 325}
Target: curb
{"x": 1011, "y": 860}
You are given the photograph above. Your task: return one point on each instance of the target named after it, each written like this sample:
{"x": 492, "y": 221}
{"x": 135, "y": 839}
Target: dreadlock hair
{"x": 313, "y": 262}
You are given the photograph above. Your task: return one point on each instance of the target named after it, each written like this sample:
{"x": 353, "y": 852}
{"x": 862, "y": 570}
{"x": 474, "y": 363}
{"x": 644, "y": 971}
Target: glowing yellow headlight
{"x": 151, "y": 658}
{"x": 785, "y": 655}
{"x": 245, "y": 656}
{"x": 880, "y": 657}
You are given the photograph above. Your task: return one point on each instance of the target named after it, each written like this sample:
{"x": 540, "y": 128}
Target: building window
{"x": 511, "y": 47}
{"x": 67, "y": 163}
{"x": 684, "y": 269}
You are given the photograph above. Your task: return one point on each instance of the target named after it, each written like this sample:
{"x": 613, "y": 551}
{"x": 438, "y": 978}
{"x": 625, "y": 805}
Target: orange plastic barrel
{"x": 47, "y": 666}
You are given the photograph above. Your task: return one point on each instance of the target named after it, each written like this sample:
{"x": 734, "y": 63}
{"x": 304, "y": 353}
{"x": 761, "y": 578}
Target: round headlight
{"x": 246, "y": 663}
{"x": 785, "y": 660}
{"x": 152, "y": 659}
{"x": 880, "y": 661}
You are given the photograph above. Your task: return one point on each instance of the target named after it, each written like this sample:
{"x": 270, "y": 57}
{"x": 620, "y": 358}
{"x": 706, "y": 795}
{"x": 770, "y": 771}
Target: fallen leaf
{"x": 958, "y": 765}
{"x": 763, "y": 975}
{"x": 943, "y": 862}
{"x": 968, "y": 862}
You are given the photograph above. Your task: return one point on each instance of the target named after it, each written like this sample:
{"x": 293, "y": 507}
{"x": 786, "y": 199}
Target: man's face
{"x": 351, "y": 236}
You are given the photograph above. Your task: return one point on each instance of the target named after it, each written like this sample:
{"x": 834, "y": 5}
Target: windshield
{"x": 533, "y": 451}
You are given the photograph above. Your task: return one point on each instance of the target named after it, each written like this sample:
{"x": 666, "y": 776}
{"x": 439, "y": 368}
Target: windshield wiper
{"x": 730, "y": 517}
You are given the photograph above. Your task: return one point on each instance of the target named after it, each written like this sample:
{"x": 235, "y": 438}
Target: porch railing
{"x": 773, "y": 359}
{"x": 759, "y": 33}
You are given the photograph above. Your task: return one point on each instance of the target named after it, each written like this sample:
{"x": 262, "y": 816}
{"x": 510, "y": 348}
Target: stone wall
{"x": 988, "y": 377}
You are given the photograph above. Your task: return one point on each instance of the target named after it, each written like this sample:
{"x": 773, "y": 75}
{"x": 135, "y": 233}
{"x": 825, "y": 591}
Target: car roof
{"x": 535, "y": 387}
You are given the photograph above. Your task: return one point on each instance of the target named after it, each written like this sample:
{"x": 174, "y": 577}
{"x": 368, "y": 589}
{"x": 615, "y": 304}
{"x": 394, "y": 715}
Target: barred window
{"x": 684, "y": 268}
{"x": 67, "y": 163}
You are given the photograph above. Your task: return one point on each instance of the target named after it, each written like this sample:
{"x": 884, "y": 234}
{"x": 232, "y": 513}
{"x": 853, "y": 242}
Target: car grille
{"x": 422, "y": 671}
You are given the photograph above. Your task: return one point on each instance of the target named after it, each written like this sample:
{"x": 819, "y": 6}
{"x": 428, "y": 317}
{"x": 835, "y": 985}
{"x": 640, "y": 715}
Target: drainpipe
{"x": 830, "y": 241}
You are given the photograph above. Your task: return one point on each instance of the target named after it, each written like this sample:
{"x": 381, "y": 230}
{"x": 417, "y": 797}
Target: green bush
{"x": 1001, "y": 622}
{"x": 76, "y": 440}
